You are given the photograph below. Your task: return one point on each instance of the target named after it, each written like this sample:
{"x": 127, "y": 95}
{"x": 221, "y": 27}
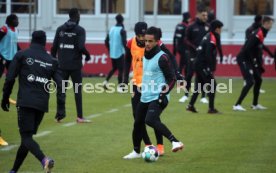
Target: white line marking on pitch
{"x": 112, "y": 110}
{"x": 127, "y": 105}
{"x": 94, "y": 116}
{"x": 43, "y": 133}
{"x": 8, "y": 148}
{"x": 69, "y": 124}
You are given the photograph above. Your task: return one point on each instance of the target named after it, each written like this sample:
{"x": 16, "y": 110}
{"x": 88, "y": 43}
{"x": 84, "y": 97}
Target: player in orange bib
{"x": 134, "y": 58}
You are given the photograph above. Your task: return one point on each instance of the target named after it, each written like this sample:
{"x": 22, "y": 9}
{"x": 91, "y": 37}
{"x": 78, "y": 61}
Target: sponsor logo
{"x": 66, "y": 46}
{"x": 33, "y": 78}
{"x": 30, "y": 61}
{"x": 30, "y": 77}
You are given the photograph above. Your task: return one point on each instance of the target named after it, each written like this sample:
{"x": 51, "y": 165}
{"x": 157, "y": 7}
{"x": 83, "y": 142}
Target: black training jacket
{"x": 69, "y": 45}
{"x": 207, "y": 52}
{"x": 34, "y": 68}
{"x": 194, "y": 34}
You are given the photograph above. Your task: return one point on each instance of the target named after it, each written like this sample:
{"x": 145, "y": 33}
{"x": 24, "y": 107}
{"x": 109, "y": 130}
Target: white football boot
{"x": 238, "y": 108}
{"x": 132, "y": 155}
{"x": 183, "y": 99}
{"x": 177, "y": 146}
{"x": 258, "y": 107}
{"x": 204, "y": 100}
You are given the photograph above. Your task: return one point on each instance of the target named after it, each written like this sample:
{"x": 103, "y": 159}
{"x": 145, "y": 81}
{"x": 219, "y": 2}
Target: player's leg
{"x": 28, "y": 120}
{"x": 77, "y": 85}
{"x": 135, "y": 99}
{"x": 247, "y": 73}
{"x": 153, "y": 120}
{"x": 112, "y": 71}
{"x": 197, "y": 90}
{"x": 61, "y": 111}
{"x": 256, "y": 90}
{"x": 120, "y": 66}
{"x": 138, "y": 131}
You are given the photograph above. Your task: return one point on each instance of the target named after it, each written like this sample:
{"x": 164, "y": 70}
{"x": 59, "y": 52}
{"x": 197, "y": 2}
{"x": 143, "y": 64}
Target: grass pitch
{"x": 233, "y": 142}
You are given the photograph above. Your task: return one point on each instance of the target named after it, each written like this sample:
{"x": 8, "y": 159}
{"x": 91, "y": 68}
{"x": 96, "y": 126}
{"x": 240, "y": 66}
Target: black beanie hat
{"x": 39, "y": 37}
{"x": 119, "y": 18}
{"x": 258, "y": 18}
{"x": 140, "y": 28}
{"x": 186, "y": 16}
{"x": 215, "y": 24}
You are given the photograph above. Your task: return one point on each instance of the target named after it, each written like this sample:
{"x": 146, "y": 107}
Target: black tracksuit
{"x": 35, "y": 68}
{"x": 205, "y": 65}
{"x": 180, "y": 47}
{"x": 68, "y": 46}
{"x": 194, "y": 34}
{"x": 250, "y": 62}
{"x": 149, "y": 113}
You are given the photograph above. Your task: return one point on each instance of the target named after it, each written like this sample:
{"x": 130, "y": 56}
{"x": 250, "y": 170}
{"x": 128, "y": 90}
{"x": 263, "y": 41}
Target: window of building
{"x": 113, "y": 6}
{"x": 165, "y": 7}
{"x": 169, "y": 7}
{"x": 24, "y": 6}
{"x": 84, "y": 6}
{"x": 3, "y": 6}
{"x": 253, "y": 7}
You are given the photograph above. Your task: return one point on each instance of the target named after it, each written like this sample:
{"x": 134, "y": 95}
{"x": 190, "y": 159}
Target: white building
{"x": 237, "y": 15}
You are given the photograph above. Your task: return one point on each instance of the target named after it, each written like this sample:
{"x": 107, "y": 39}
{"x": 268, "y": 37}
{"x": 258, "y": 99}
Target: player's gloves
{"x": 221, "y": 59}
{"x": 180, "y": 77}
{"x": 162, "y": 100}
{"x": 5, "y": 104}
{"x": 262, "y": 69}
{"x": 174, "y": 51}
{"x": 87, "y": 58}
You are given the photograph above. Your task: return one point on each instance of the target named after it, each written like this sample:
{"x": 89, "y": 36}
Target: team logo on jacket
{"x": 206, "y": 28}
{"x": 30, "y": 61}
{"x": 30, "y": 77}
{"x": 61, "y": 34}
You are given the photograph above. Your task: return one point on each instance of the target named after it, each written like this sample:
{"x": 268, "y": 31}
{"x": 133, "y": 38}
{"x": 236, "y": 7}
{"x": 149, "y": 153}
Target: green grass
{"x": 234, "y": 142}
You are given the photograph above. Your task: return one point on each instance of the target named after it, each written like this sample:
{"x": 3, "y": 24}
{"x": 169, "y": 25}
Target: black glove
{"x": 221, "y": 59}
{"x": 162, "y": 100}
{"x": 87, "y": 58}
{"x": 180, "y": 77}
{"x": 262, "y": 69}
{"x": 174, "y": 52}
{"x": 5, "y": 104}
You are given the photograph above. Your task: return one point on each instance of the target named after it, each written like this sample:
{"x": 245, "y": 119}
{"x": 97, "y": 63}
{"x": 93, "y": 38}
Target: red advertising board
{"x": 100, "y": 62}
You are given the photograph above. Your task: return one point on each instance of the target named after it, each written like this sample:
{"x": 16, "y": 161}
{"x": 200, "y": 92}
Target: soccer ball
{"x": 150, "y": 154}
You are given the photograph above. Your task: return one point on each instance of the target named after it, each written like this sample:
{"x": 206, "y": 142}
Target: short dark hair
{"x": 267, "y": 19}
{"x": 119, "y": 18}
{"x": 258, "y": 18}
{"x": 201, "y": 8}
{"x": 73, "y": 13}
{"x": 39, "y": 37}
{"x": 156, "y": 32}
{"x": 215, "y": 24}
{"x": 10, "y": 18}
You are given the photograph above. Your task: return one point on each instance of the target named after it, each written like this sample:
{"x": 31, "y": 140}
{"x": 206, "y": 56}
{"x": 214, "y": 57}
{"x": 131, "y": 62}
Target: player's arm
{"x": 265, "y": 48}
{"x": 55, "y": 44}
{"x": 188, "y": 38}
{"x": 128, "y": 60}
{"x": 106, "y": 41}
{"x": 174, "y": 42}
{"x": 209, "y": 57}
{"x": 3, "y": 32}
{"x": 165, "y": 66}
{"x": 173, "y": 61}
{"x": 124, "y": 37}
{"x": 10, "y": 80}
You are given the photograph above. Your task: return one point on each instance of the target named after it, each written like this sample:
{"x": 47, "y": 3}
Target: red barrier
{"x": 100, "y": 62}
